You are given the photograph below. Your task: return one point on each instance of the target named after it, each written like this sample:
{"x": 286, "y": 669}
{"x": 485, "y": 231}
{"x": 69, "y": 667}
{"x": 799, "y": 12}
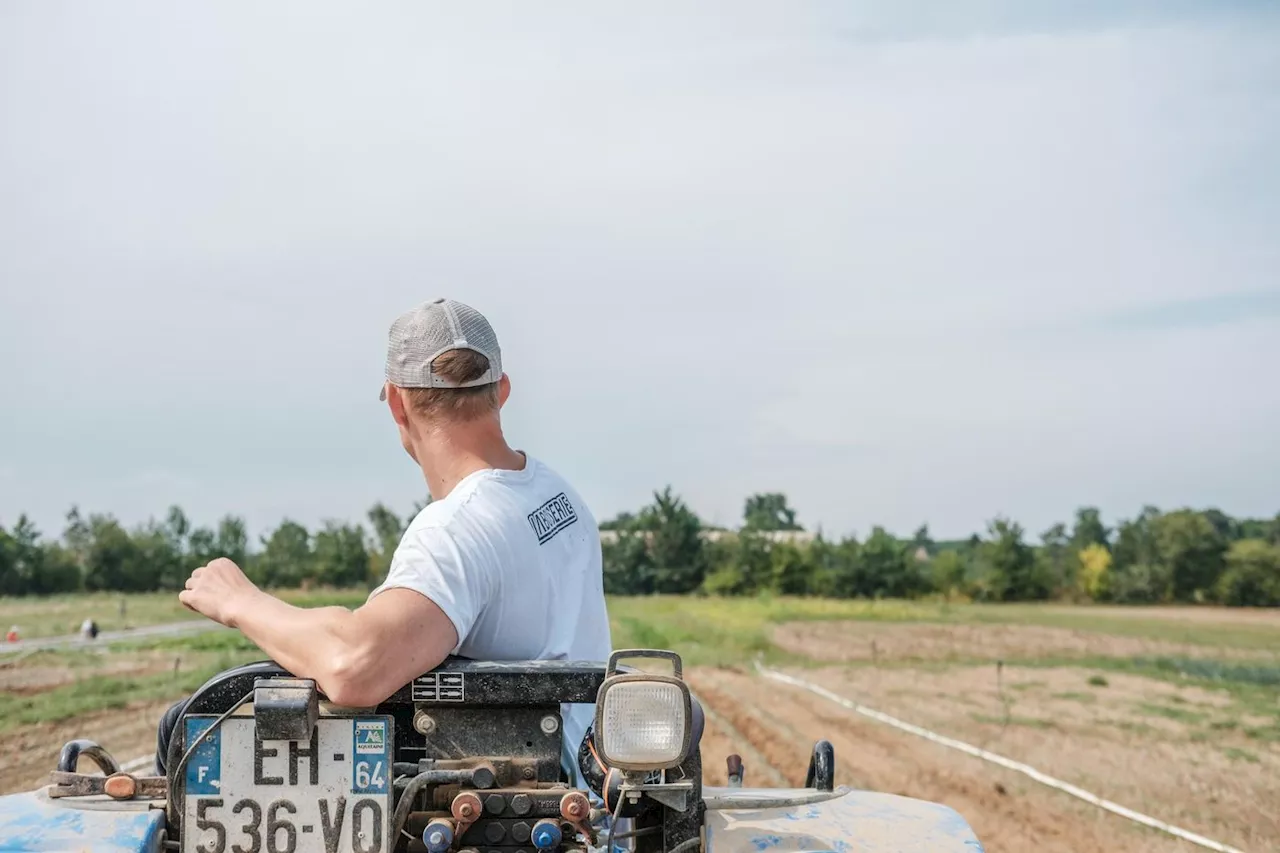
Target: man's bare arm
{"x": 357, "y": 657}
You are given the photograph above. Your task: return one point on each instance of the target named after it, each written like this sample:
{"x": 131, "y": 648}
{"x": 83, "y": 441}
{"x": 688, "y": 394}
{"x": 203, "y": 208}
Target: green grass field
{"x": 705, "y": 631}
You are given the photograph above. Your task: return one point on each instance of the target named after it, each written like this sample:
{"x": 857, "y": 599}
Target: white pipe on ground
{"x": 1016, "y": 766}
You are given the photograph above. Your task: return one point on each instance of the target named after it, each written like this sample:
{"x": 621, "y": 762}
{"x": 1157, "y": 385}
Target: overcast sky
{"x": 905, "y": 266}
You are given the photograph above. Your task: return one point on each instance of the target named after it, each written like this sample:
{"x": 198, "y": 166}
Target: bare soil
{"x": 1008, "y": 811}
{"x": 29, "y": 754}
{"x": 880, "y": 641}
{"x": 25, "y": 680}
{"x": 1193, "y": 613}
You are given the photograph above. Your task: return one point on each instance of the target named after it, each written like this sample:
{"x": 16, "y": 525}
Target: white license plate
{"x": 329, "y": 795}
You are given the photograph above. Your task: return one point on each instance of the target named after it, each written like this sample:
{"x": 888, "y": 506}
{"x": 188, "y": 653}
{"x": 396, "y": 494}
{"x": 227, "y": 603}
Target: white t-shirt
{"x": 513, "y": 559}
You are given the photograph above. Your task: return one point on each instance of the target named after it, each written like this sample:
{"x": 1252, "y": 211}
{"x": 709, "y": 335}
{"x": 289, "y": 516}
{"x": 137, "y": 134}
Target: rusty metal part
{"x": 466, "y": 810}
{"x": 118, "y": 786}
{"x": 735, "y": 768}
{"x": 575, "y": 808}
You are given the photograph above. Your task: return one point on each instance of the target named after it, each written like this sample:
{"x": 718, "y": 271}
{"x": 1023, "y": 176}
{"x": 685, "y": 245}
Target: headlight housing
{"x": 643, "y": 721}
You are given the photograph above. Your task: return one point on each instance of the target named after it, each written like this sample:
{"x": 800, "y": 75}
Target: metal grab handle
{"x": 677, "y": 664}
{"x": 822, "y": 767}
{"x": 74, "y": 750}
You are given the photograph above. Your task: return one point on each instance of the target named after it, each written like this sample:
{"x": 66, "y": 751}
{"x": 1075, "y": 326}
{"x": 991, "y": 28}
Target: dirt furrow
{"x": 1006, "y": 810}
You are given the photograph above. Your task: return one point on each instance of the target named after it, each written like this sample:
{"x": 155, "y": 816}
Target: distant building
{"x": 799, "y": 537}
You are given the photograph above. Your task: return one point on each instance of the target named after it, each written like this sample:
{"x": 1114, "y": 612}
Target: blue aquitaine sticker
{"x": 372, "y": 754}
{"x": 204, "y": 770}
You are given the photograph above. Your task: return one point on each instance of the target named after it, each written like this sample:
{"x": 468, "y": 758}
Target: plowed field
{"x": 1107, "y": 713}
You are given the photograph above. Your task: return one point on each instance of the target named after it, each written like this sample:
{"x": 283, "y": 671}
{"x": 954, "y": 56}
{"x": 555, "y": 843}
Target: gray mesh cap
{"x": 420, "y": 335}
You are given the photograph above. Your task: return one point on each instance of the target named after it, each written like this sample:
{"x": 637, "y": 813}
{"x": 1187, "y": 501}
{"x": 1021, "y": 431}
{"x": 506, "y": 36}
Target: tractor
{"x": 467, "y": 758}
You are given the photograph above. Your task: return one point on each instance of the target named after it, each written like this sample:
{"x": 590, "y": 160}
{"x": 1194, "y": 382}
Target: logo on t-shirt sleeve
{"x": 552, "y": 517}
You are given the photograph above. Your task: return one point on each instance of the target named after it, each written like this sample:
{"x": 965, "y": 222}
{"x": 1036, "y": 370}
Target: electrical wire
{"x": 213, "y": 727}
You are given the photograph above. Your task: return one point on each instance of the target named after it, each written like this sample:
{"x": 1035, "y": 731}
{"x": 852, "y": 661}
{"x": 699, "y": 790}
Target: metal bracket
{"x": 673, "y": 795}
{"x": 117, "y": 786}
{"x": 285, "y": 708}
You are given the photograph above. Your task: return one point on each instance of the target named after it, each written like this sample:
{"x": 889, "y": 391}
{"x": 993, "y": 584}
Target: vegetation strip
{"x": 1008, "y": 763}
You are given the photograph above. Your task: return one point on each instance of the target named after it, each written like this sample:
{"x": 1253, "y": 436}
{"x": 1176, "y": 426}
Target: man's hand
{"x": 219, "y": 590}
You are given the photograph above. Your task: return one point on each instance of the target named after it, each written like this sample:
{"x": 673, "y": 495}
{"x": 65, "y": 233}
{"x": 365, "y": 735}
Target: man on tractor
{"x": 503, "y": 564}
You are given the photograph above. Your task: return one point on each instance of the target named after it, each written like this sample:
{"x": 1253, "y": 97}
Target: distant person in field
{"x": 503, "y": 564}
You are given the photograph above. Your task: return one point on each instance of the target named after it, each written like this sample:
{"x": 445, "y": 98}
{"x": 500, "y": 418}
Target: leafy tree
{"x": 9, "y": 582}
{"x": 950, "y": 572}
{"x": 1095, "y": 571}
{"x": 921, "y": 539}
{"x": 58, "y": 571}
{"x": 177, "y": 527}
{"x": 743, "y": 565}
{"x": 793, "y": 570}
{"x": 1089, "y": 529}
{"x": 1056, "y": 560}
{"x": 1140, "y": 583}
{"x": 77, "y": 536}
{"x": 1135, "y": 540}
{"x": 341, "y": 558}
{"x": 826, "y": 557}
{"x": 29, "y": 566}
{"x": 232, "y": 540}
{"x": 202, "y": 545}
{"x": 675, "y": 543}
{"x": 1252, "y": 576}
{"x": 157, "y": 551}
{"x": 769, "y": 512}
{"x": 115, "y": 562}
{"x": 387, "y": 530}
{"x": 286, "y": 559}
{"x": 1224, "y": 525}
{"x": 1010, "y": 564}
{"x": 27, "y": 554}
{"x": 628, "y": 570}
{"x": 884, "y": 569}
{"x": 844, "y": 568}
{"x": 1189, "y": 550}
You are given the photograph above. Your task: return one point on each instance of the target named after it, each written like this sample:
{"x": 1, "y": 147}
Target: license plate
{"x": 330, "y": 794}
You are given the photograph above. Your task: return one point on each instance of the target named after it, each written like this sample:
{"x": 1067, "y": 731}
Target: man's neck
{"x": 449, "y": 456}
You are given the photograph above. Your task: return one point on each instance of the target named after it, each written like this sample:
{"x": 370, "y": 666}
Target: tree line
{"x": 1182, "y": 555}
{"x": 97, "y": 553}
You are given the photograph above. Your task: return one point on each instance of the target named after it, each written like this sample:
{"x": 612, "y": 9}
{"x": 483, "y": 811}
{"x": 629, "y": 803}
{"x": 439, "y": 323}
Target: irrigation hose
{"x": 1008, "y": 763}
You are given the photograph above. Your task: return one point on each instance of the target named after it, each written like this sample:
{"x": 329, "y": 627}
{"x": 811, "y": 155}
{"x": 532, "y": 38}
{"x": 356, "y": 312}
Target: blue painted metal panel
{"x": 33, "y": 823}
{"x": 852, "y": 821}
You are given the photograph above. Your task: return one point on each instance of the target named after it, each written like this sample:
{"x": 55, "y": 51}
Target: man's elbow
{"x": 351, "y": 680}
